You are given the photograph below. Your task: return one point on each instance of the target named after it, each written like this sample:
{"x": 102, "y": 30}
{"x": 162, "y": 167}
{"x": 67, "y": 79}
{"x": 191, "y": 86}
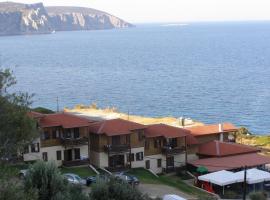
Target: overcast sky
{"x": 139, "y": 11}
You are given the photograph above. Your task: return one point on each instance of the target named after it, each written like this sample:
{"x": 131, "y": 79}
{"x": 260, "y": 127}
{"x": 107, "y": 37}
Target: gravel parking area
{"x": 157, "y": 190}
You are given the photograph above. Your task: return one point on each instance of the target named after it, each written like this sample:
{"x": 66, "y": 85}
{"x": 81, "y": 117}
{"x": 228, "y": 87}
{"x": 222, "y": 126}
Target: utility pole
{"x": 57, "y": 106}
{"x": 245, "y": 183}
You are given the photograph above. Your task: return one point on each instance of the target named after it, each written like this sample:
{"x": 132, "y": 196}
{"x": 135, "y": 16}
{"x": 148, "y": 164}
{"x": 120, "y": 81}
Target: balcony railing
{"x": 121, "y": 148}
{"x": 74, "y": 141}
{"x": 172, "y": 150}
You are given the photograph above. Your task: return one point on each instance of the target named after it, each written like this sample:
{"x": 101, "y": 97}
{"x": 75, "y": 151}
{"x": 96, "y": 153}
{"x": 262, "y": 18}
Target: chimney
{"x": 220, "y": 130}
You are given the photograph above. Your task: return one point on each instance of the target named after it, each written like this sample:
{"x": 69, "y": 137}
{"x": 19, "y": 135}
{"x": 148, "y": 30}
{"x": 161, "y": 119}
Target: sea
{"x": 210, "y": 72}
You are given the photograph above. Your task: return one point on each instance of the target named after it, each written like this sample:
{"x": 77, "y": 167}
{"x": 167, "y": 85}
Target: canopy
{"x": 254, "y": 176}
{"x": 220, "y": 178}
{"x": 202, "y": 170}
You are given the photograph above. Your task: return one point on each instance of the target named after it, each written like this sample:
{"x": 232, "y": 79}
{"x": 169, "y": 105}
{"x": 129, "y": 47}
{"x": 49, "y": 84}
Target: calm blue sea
{"x": 211, "y": 72}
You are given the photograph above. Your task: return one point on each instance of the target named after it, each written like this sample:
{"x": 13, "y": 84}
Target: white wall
{"x": 153, "y": 162}
{"x": 179, "y": 160}
{"x": 135, "y": 163}
{"x": 99, "y": 159}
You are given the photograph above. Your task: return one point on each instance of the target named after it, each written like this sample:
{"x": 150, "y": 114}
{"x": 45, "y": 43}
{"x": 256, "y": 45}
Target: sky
{"x": 148, "y": 11}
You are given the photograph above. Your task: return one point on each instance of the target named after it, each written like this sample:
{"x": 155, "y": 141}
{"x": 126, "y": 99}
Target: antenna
{"x": 57, "y": 102}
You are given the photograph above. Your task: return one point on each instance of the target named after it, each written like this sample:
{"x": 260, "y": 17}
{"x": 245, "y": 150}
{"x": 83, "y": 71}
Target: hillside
{"x": 19, "y": 19}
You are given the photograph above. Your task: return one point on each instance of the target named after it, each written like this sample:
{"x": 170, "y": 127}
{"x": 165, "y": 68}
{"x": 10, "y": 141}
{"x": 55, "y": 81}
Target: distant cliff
{"x": 17, "y": 19}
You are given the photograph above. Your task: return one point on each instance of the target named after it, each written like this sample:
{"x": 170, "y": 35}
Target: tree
{"x": 46, "y": 179}
{"x": 115, "y": 189}
{"x": 16, "y": 128}
{"x": 11, "y": 188}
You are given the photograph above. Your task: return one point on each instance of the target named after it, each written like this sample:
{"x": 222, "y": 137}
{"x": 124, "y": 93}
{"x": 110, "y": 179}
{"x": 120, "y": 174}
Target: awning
{"x": 220, "y": 178}
{"x": 232, "y": 162}
{"x": 254, "y": 176}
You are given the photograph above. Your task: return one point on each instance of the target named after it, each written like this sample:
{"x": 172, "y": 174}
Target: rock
{"x": 18, "y": 19}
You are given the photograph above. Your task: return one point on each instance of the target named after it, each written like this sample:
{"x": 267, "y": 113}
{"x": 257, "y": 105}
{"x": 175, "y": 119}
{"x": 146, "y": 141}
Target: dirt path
{"x": 156, "y": 190}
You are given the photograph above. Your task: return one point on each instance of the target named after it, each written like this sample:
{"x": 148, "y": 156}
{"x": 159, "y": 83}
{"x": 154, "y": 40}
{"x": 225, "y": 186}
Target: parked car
{"x": 173, "y": 197}
{"x": 23, "y": 173}
{"x": 74, "y": 179}
{"x": 132, "y": 180}
{"x": 94, "y": 179}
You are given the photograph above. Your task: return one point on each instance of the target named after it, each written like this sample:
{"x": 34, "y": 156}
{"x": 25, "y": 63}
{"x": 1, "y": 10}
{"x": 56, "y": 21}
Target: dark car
{"x": 132, "y": 180}
{"x": 94, "y": 179}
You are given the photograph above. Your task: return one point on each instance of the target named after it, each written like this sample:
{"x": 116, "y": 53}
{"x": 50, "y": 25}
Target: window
{"x": 45, "y": 156}
{"x": 146, "y": 145}
{"x": 58, "y": 155}
{"x": 116, "y": 140}
{"x": 130, "y": 157}
{"x": 170, "y": 161}
{"x": 147, "y": 164}
{"x": 77, "y": 154}
{"x": 35, "y": 147}
{"x": 54, "y": 134}
{"x": 173, "y": 142}
{"x": 159, "y": 162}
{"x": 157, "y": 143}
{"x": 76, "y": 132}
{"x": 68, "y": 133}
{"x": 139, "y": 156}
{"x": 46, "y": 135}
{"x": 140, "y": 135}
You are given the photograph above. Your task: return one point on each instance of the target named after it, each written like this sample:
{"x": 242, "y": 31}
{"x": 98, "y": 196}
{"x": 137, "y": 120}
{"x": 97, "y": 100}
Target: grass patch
{"x": 146, "y": 177}
{"x": 262, "y": 140}
{"x": 81, "y": 171}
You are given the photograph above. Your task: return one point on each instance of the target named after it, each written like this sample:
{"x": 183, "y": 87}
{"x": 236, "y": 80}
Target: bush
{"x": 115, "y": 189}
{"x": 258, "y": 196}
{"x": 46, "y": 179}
{"x": 43, "y": 110}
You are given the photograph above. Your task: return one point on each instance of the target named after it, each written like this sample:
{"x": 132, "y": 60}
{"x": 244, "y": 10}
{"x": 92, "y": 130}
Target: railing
{"x": 121, "y": 148}
{"x": 118, "y": 168}
{"x": 172, "y": 150}
{"x": 73, "y": 163}
{"x": 74, "y": 141}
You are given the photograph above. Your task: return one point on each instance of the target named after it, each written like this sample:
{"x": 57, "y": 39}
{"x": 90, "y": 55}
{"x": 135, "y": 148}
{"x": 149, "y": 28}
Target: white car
{"x": 74, "y": 179}
{"x": 173, "y": 197}
{"x": 23, "y": 173}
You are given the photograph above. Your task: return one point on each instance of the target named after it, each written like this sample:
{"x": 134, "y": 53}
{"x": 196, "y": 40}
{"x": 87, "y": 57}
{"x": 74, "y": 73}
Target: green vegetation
{"x": 262, "y": 140}
{"x": 43, "y": 110}
{"x": 116, "y": 189}
{"x": 257, "y": 196}
{"x": 146, "y": 177}
{"x": 11, "y": 188}
{"x": 16, "y": 128}
{"x": 81, "y": 171}
{"x": 46, "y": 179}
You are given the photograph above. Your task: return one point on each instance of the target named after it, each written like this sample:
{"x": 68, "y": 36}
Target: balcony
{"x": 121, "y": 148}
{"x": 74, "y": 141}
{"x": 172, "y": 150}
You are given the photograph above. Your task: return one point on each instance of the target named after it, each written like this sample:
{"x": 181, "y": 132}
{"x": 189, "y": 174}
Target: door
{"x": 45, "y": 156}
{"x": 117, "y": 161}
{"x": 68, "y": 155}
{"x": 170, "y": 162}
{"x": 77, "y": 153}
{"x": 147, "y": 164}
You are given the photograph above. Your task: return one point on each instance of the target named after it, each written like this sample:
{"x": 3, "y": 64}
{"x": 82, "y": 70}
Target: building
{"x": 217, "y": 155}
{"x": 117, "y": 144}
{"x": 63, "y": 139}
{"x": 208, "y": 133}
{"x": 165, "y": 147}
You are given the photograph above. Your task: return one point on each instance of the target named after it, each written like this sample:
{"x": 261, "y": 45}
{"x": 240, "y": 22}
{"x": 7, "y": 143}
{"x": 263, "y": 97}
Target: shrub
{"x": 115, "y": 189}
{"x": 258, "y": 196}
{"x": 46, "y": 179}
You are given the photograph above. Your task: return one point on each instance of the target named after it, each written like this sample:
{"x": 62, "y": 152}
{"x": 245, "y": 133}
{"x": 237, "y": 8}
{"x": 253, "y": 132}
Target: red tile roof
{"x": 219, "y": 149}
{"x": 63, "y": 119}
{"x": 35, "y": 115}
{"x": 157, "y": 130}
{"x": 211, "y": 129}
{"x": 232, "y": 162}
{"x": 115, "y": 127}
